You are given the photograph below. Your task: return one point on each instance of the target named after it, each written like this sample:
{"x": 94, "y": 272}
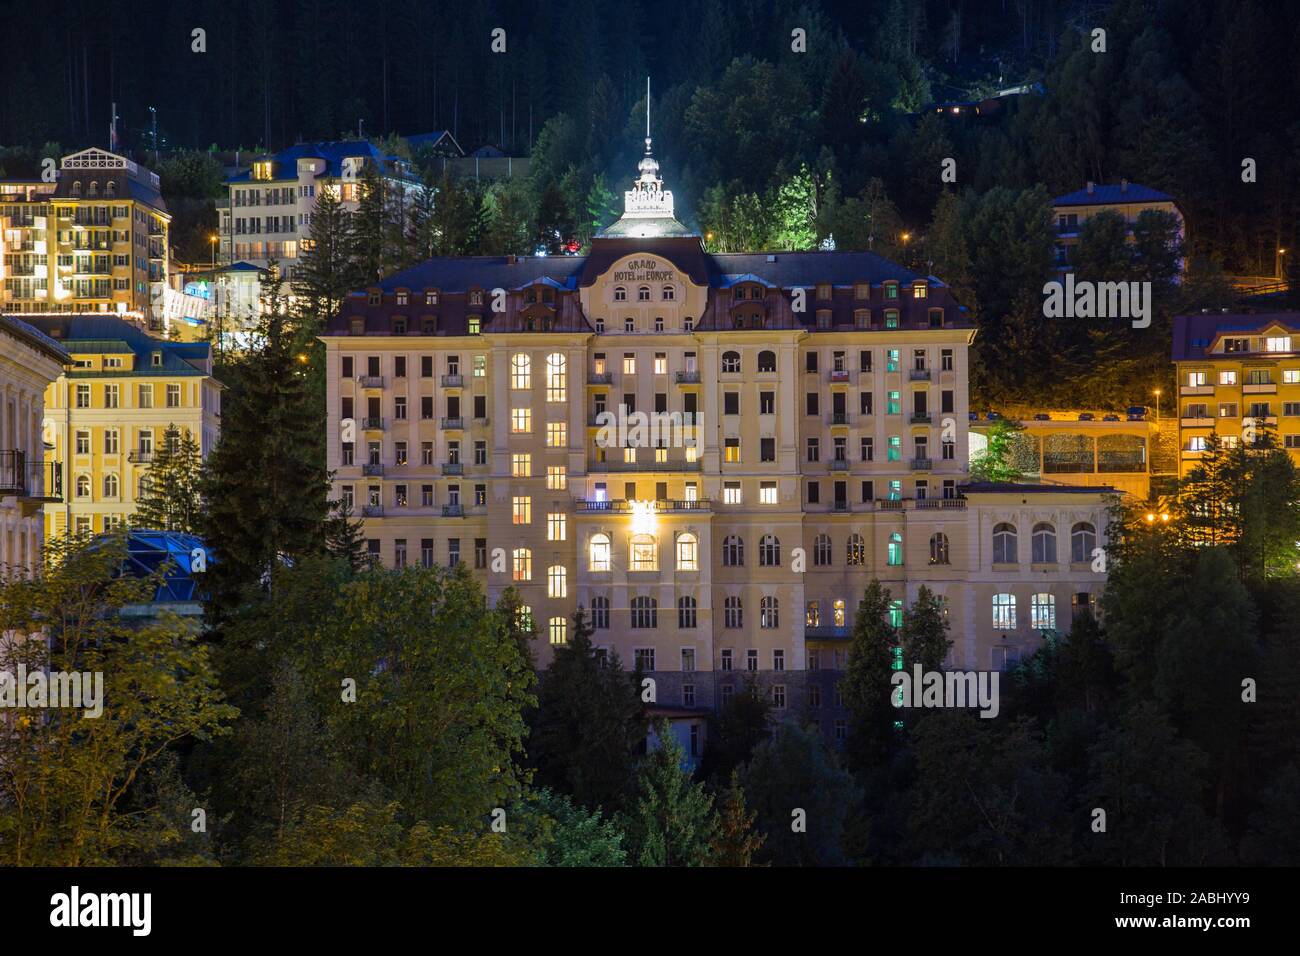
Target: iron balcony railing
{"x": 624, "y": 506}
{"x": 453, "y": 381}
{"x": 375, "y": 469}
{"x": 370, "y": 381}
{"x": 30, "y": 480}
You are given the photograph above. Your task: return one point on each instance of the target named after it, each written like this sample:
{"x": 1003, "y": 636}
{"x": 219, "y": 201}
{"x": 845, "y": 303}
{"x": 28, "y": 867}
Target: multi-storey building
{"x": 1236, "y": 373}
{"x": 268, "y": 216}
{"x": 124, "y": 395}
{"x": 812, "y": 427}
{"x": 1128, "y": 199}
{"x": 29, "y": 362}
{"x": 92, "y": 240}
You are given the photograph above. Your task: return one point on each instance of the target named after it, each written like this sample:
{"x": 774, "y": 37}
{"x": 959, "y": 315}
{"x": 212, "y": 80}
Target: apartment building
{"x": 92, "y": 240}
{"x": 268, "y": 216}
{"x": 1128, "y": 199}
{"x": 29, "y": 362}
{"x": 124, "y": 395}
{"x": 712, "y": 454}
{"x": 1236, "y": 373}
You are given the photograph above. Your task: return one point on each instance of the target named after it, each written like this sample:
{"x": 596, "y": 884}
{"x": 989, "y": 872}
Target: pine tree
{"x": 325, "y": 272}
{"x": 265, "y": 485}
{"x": 589, "y": 723}
{"x": 866, "y": 687}
{"x": 673, "y": 822}
{"x": 735, "y": 842}
{"x": 170, "y": 499}
{"x": 924, "y": 634}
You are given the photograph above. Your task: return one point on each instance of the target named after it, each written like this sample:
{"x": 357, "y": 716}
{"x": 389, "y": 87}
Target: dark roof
{"x": 1194, "y": 333}
{"x": 286, "y": 161}
{"x": 434, "y": 138}
{"x": 1112, "y": 195}
{"x": 85, "y": 332}
{"x": 454, "y": 274}
{"x": 1015, "y": 488}
{"x": 35, "y": 338}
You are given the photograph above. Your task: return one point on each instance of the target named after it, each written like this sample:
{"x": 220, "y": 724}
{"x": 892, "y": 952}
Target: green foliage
{"x": 1000, "y": 460}
{"x": 924, "y": 634}
{"x": 170, "y": 495}
{"x": 98, "y": 790}
{"x": 866, "y": 686}
{"x": 566, "y": 834}
{"x": 735, "y": 842}
{"x": 672, "y": 822}
{"x": 741, "y": 725}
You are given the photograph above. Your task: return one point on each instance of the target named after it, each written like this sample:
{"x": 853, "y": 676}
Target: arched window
{"x": 94, "y": 189}
{"x": 1042, "y": 612}
{"x": 557, "y": 581}
{"x": 1005, "y": 549}
{"x": 733, "y": 551}
{"x": 838, "y": 608}
{"x": 556, "y": 378}
{"x": 670, "y": 293}
{"x": 523, "y": 564}
{"x": 645, "y": 613}
{"x": 855, "y": 552}
{"x": 83, "y": 486}
{"x": 643, "y": 294}
{"x": 598, "y": 552}
{"x": 895, "y": 553}
{"x": 1004, "y": 612}
{"x": 731, "y": 361}
{"x": 733, "y": 613}
{"x": 558, "y": 628}
{"x": 687, "y": 552}
{"x": 1083, "y": 541}
{"x": 767, "y": 361}
{"x": 110, "y": 189}
{"x": 643, "y": 552}
{"x": 1043, "y": 543}
{"x": 686, "y": 613}
{"x": 822, "y": 550}
{"x": 769, "y": 612}
{"x": 939, "y": 548}
{"x": 521, "y": 371}
{"x": 76, "y": 190}
{"x": 600, "y": 613}
{"x": 110, "y": 486}
{"x": 769, "y": 551}
{"x": 620, "y": 294}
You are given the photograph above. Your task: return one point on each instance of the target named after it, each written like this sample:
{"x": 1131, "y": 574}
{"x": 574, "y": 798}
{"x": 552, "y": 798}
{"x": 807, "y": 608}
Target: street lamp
{"x": 212, "y": 242}
{"x": 1156, "y": 393}
{"x": 1280, "y": 253}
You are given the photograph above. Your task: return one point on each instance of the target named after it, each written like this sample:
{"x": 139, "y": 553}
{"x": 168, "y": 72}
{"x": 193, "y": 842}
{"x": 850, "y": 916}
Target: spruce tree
{"x": 170, "y": 498}
{"x": 924, "y": 632}
{"x": 866, "y": 686}
{"x": 265, "y": 485}
{"x": 673, "y": 822}
{"x": 735, "y": 842}
{"x": 325, "y": 273}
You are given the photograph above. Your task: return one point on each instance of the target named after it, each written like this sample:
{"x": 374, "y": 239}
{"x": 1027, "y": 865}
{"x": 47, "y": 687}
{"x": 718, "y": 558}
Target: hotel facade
{"x": 713, "y": 455}
{"x": 123, "y": 395}
{"x": 1236, "y": 373}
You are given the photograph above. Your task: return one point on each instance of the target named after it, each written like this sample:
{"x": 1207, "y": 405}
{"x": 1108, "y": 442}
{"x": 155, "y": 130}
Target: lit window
{"x": 939, "y": 548}
{"x": 522, "y": 509}
{"x": 1195, "y": 379}
{"x": 769, "y": 613}
{"x": 1042, "y": 612}
{"x": 557, "y": 434}
{"x": 1228, "y": 378}
{"x": 629, "y": 455}
{"x": 767, "y": 493}
{"x": 731, "y": 450}
{"x": 521, "y": 465}
{"x": 895, "y": 553}
{"x": 521, "y": 371}
{"x": 644, "y": 553}
{"x": 557, "y": 582}
{"x": 731, "y": 493}
{"x": 556, "y": 479}
{"x": 558, "y": 628}
{"x": 521, "y": 420}
{"x": 1290, "y": 376}
{"x": 838, "y": 609}
{"x": 856, "y": 551}
{"x": 523, "y": 564}
{"x": 1004, "y": 612}
{"x": 661, "y": 363}
{"x": 556, "y": 378}
{"x": 1281, "y": 343}
{"x": 555, "y": 526}
{"x": 687, "y": 552}
{"x": 598, "y": 552}
{"x": 629, "y": 363}
{"x": 480, "y": 366}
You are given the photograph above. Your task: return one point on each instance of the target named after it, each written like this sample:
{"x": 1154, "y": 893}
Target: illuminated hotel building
{"x": 112, "y": 410}
{"x": 1235, "y": 373}
{"x": 93, "y": 240}
{"x": 268, "y": 216}
{"x": 826, "y": 394}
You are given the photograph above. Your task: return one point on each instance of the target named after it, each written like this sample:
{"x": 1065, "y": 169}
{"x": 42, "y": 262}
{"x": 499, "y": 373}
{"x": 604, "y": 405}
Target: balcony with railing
{"x": 453, "y": 511}
{"x": 839, "y": 375}
{"x": 839, "y": 464}
{"x": 919, "y": 375}
{"x": 920, "y": 418}
{"x": 453, "y": 468}
{"x": 827, "y": 632}
{"x": 624, "y": 506}
{"x": 140, "y": 456}
{"x": 453, "y": 424}
{"x": 370, "y": 381}
{"x": 839, "y": 418}
{"x": 372, "y": 424}
{"x": 601, "y": 378}
{"x": 922, "y": 464}
{"x": 33, "y": 482}
{"x": 453, "y": 381}
{"x": 372, "y": 511}
{"x": 372, "y": 469}
{"x": 688, "y": 378}
{"x": 620, "y": 465}
{"x": 940, "y": 504}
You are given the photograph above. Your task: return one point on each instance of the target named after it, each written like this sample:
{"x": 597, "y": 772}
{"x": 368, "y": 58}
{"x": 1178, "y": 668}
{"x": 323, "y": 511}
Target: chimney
{"x": 1123, "y": 185}
{"x": 1090, "y": 185}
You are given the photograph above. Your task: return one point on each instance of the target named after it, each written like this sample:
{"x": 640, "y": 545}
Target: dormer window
{"x": 688, "y": 324}
{"x": 262, "y": 170}
{"x": 620, "y": 294}
{"x": 1236, "y": 345}
{"x": 110, "y": 189}
{"x": 476, "y": 297}
{"x": 399, "y": 326}
{"x": 936, "y": 318}
{"x": 94, "y": 188}
{"x": 155, "y": 360}
{"x": 891, "y": 290}
{"x": 431, "y": 298}
{"x": 358, "y": 326}
{"x": 919, "y": 290}
{"x": 375, "y": 297}
{"x": 823, "y": 292}
{"x": 76, "y": 190}
{"x": 401, "y": 298}
{"x": 600, "y": 325}
{"x": 862, "y": 291}
{"x": 530, "y": 296}
{"x": 429, "y": 325}
{"x": 739, "y": 293}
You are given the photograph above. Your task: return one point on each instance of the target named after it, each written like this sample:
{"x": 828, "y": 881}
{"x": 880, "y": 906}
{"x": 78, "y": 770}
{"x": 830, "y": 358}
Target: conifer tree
{"x": 866, "y": 687}
{"x": 169, "y": 499}
{"x": 673, "y": 822}
{"x": 924, "y": 632}
{"x": 325, "y": 272}
{"x": 735, "y": 842}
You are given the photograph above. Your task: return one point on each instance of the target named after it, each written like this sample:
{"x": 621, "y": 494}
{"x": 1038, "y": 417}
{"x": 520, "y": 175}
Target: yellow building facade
{"x": 712, "y": 455}
{"x": 1236, "y": 375}
{"x": 112, "y": 410}
{"x": 92, "y": 239}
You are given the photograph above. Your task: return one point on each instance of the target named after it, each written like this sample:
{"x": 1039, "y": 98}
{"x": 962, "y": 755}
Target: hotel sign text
{"x": 643, "y": 270}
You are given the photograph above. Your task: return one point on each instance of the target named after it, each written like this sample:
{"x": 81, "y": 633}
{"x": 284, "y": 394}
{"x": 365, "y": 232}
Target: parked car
{"x": 1042, "y": 417}
{"x": 1110, "y": 418}
{"x": 1086, "y": 417}
{"x": 1137, "y": 413}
